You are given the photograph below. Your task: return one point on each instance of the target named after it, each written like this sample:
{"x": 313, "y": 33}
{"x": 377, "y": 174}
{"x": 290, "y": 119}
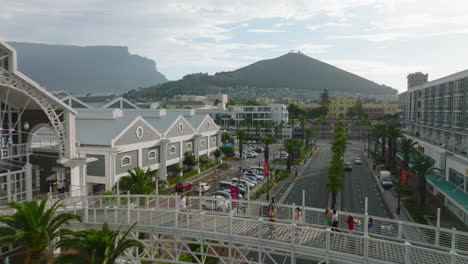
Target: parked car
{"x": 348, "y": 166}
{"x": 250, "y": 180}
{"x": 247, "y": 183}
{"x": 203, "y": 186}
{"x": 259, "y": 149}
{"x": 183, "y": 185}
{"x": 385, "y": 178}
{"x": 225, "y": 194}
{"x": 219, "y": 203}
{"x": 259, "y": 177}
{"x": 358, "y": 161}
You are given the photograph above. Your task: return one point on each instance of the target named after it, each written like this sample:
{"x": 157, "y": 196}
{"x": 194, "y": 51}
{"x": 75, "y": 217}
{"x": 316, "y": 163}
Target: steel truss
{"x": 11, "y": 80}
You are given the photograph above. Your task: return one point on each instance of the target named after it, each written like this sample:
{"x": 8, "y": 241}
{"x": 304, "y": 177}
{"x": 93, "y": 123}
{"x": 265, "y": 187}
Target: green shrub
{"x": 406, "y": 190}
{"x": 417, "y": 213}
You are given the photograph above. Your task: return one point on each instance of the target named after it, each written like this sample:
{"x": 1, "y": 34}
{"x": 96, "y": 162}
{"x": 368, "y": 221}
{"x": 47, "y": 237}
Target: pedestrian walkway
{"x": 390, "y": 200}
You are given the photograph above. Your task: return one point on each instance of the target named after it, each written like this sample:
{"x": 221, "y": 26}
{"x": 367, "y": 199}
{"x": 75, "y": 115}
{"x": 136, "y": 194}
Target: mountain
{"x": 86, "y": 69}
{"x": 295, "y": 73}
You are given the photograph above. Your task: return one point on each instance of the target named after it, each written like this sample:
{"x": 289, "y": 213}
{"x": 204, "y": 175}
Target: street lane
{"x": 313, "y": 181}
{"x": 358, "y": 185}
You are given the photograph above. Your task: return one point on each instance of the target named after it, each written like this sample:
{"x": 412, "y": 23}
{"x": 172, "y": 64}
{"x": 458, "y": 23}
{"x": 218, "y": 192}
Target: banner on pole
{"x": 403, "y": 176}
{"x": 265, "y": 169}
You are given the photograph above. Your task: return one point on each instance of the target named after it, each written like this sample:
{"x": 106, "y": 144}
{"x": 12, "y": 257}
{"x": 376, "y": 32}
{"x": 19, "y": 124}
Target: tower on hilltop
{"x": 417, "y": 78}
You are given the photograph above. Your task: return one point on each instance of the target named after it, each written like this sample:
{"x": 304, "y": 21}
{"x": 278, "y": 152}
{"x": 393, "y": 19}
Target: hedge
{"x": 417, "y": 213}
{"x": 191, "y": 173}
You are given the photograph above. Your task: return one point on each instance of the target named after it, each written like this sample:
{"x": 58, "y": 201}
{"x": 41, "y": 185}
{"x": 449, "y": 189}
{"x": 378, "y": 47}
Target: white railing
{"x": 14, "y": 150}
{"x": 441, "y": 239}
{"x": 304, "y": 241}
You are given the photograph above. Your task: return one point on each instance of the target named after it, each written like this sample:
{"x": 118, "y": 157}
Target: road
{"x": 313, "y": 180}
{"x": 358, "y": 185}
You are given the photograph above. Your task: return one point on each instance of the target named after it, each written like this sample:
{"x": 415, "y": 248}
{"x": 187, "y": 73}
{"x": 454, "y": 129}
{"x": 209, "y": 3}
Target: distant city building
{"x": 340, "y": 106}
{"x": 257, "y": 120}
{"x": 435, "y": 115}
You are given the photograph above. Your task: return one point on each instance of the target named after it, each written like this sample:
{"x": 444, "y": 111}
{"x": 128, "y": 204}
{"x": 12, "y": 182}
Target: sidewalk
{"x": 389, "y": 199}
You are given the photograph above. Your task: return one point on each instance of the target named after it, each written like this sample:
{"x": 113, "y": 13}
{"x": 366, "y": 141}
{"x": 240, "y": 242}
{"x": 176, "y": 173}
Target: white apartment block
{"x": 435, "y": 114}
{"x": 254, "y": 118}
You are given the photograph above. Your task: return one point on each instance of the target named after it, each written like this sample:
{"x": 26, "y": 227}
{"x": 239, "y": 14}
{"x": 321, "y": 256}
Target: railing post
{"x": 454, "y": 237}
{"x": 8, "y": 185}
{"x": 157, "y": 193}
{"x": 199, "y": 197}
{"x": 293, "y": 241}
{"x": 85, "y": 207}
{"x": 400, "y": 225}
{"x": 303, "y": 207}
{"x": 366, "y": 230}
{"x": 128, "y": 207}
{"x": 407, "y": 252}
{"x": 437, "y": 228}
{"x": 292, "y": 213}
{"x": 260, "y": 235}
{"x": 176, "y": 211}
{"x": 327, "y": 247}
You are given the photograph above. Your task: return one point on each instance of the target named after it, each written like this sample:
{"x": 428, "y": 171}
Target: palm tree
{"x": 379, "y": 132}
{"x": 138, "y": 181}
{"x": 34, "y": 228}
{"x": 309, "y": 133}
{"x": 241, "y": 135}
{"x": 290, "y": 145}
{"x": 335, "y": 179}
{"x": 407, "y": 146}
{"x": 393, "y": 134}
{"x": 422, "y": 165}
{"x": 267, "y": 141}
{"x": 292, "y": 122}
{"x": 303, "y": 123}
{"x": 96, "y": 246}
{"x": 268, "y": 126}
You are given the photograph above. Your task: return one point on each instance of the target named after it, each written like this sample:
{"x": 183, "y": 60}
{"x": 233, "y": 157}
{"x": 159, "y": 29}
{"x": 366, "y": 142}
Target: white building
{"x": 435, "y": 114}
{"x": 258, "y": 120}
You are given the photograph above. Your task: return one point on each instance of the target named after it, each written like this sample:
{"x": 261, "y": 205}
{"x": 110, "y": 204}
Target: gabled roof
{"x": 100, "y": 132}
{"x": 198, "y": 119}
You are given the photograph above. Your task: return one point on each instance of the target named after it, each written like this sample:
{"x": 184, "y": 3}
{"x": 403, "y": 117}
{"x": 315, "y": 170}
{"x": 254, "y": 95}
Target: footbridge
{"x": 240, "y": 232}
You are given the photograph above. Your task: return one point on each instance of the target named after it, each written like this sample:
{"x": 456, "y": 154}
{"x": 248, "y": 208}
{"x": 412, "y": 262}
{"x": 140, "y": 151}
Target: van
{"x": 385, "y": 179}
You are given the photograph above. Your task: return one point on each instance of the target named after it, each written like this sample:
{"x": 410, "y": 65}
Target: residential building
{"x": 259, "y": 120}
{"x": 149, "y": 139}
{"x": 340, "y": 106}
{"x": 436, "y": 116}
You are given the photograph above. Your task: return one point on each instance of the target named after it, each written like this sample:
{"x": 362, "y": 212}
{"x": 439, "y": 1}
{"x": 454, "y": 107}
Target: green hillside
{"x": 293, "y": 70}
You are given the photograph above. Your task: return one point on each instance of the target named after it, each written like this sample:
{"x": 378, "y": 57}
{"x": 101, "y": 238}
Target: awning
{"x": 455, "y": 195}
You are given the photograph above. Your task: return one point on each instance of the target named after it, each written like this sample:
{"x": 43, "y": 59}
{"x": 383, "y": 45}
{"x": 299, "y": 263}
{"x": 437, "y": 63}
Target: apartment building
{"x": 257, "y": 120}
{"x": 340, "y": 106}
{"x": 435, "y": 114}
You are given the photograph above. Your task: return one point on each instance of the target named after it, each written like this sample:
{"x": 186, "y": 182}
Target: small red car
{"x": 183, "y": 185}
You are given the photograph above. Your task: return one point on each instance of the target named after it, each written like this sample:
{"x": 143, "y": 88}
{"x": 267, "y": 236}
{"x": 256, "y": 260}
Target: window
{"x": 213, "y": 140}
{"x": 208, "y": 124}
{"x": 152, "y": 155}
{"x": 125, "y": 161}
{"x": 139, "y": 132}
{"x": 172, "y": 150}
{"x": 202, "y": 142}
{"x": 456, "y": 178}
{"x": 181, "y": 127}
{"x": 188, "y": 146}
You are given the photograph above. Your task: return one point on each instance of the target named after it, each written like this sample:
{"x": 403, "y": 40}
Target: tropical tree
{"x": 241, "y": 136}
{"x": 379, "y": 132}
{"x": 309, "y": 133}
{"x": 422, "y": 166}
{"x": 267, "y": 141}
{"x": 407, "y": 147}
{"x": 290, "y": 145}
{"x": 138, "y": 181}
{"x": 335, "y": 179}
{"x": 303, "y": 123}
{"x": 189, "y": 160}
{"x": 174, "y": 169}
{"x": 204, "y": 160}
{"x": 217, "y": 154}
{"x": 393, "y": 134}
{"x": 34, "y": 227}
{"x": 96, "y": 246}
{"x": 292, "y": 122}
{"x": 227, "y": 150}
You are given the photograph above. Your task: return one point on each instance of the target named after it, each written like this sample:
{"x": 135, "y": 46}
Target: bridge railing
{"x": 301, "y": 240}
{"x": 383, "y": 228}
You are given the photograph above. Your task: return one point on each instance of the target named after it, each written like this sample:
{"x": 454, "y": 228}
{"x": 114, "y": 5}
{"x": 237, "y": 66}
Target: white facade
{"x": 435, "y": 114}
{"x": 254, "y": 118}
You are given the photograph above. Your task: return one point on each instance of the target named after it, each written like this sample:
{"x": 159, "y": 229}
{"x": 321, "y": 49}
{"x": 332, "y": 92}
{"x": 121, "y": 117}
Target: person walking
{"x": 351, "y": 221}
{"x": 328, "y": 217}
{"x": 189, "y": 203}
{"x": 182, "y": 206}
{"x": 334, "y": 220}
{"x": 297, "y": 218}
{"x": 272, "y": 213}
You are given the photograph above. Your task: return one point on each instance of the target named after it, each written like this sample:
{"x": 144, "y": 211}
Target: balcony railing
{"x": 14, "y": 151}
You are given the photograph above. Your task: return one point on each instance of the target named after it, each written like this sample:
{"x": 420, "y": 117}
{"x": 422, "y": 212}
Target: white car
{"x": 358, "y": 161}
{"x": 216, "y": 203}
{"x": 204, "y": 187}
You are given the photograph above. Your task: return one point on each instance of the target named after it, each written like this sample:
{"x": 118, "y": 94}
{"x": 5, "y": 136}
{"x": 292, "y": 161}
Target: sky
{"x": 381, "y": 40}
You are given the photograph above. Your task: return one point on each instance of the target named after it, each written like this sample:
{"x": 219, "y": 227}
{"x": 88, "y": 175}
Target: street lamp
{"x": 399, "y": 190}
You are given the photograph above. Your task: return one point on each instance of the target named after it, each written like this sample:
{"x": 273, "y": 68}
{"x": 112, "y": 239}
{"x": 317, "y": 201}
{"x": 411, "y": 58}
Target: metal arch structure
{"x": 10, "y": 78}
{"x": 242, "y": 234}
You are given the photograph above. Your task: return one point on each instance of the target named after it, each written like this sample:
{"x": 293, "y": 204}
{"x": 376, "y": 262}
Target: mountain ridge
{"x": 295, "y": 71}
{"x": 85, "y": 69}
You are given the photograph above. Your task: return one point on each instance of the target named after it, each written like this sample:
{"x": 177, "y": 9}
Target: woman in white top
{"x": 183, "y": 203}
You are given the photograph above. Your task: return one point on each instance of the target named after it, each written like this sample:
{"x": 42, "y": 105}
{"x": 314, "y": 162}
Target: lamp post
{"x": 399, "y": 191}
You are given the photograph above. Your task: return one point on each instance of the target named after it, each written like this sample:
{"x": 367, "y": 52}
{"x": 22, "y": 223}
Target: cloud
{"x": 261, "y": 30}
{"x": 313, "y": 27}
{"x": 330, "y": 25}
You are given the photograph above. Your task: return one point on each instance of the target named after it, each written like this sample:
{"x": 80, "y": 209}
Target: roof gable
{"x": 137, "y": 132}
{"x": 207, "y": 125}
{"x": 180, "y": 127}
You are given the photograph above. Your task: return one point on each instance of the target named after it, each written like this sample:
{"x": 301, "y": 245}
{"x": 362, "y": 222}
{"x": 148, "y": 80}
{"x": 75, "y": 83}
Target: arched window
{"x": 45, "y": 138}
{"x": 139, "y": 132}
{"x": 172, "y": 150}
{"x": 202, "y": 142}
{"x": 213, "y": 140}
{"x": 181, "y": 127}
{"x": 188, "y": 147}
{"x": 125, "y": 161}
{"x": 152, "y": 155}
